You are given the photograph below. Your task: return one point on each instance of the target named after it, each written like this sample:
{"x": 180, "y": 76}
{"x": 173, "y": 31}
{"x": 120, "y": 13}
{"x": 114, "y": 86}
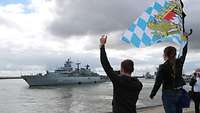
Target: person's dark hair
{"x": 170, "y": 52}
{"x": 128, "y": 66}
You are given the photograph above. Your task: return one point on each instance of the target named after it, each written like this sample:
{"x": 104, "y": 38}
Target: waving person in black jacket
{"x": 169, "y": 75}
{"x": 125, "y": 88}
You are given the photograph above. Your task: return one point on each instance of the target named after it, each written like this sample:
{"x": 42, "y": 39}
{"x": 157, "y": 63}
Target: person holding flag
{"x": 169, "y": 75}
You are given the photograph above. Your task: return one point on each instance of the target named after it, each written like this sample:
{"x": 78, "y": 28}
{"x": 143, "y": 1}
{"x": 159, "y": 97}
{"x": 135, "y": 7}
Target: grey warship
{"x": 64, "y": 75}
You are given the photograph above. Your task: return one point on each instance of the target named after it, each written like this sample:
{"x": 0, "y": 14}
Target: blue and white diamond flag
{"x": 161, "y": 22}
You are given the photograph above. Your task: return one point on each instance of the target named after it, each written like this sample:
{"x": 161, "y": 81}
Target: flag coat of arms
{"x": 161, "y": 22}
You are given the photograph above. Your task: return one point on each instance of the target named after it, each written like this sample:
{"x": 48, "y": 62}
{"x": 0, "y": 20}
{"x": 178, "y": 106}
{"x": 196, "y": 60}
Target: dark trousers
{"x": 196, "y": 99}
{"x": 171, "y": 99}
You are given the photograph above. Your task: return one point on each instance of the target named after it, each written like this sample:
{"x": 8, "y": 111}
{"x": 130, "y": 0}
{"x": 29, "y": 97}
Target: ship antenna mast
{"x": 87, "y": 66}
{"x": 78, "y": 65}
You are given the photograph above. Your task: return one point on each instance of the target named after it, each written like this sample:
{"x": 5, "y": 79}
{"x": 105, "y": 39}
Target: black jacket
{"x": 126, "y": 89}
{"x": 164, "y": 75}
{"x": 193, "y": 82}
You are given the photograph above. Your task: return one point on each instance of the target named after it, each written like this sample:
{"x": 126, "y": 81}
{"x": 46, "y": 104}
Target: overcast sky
{"x": 39, "y": 35}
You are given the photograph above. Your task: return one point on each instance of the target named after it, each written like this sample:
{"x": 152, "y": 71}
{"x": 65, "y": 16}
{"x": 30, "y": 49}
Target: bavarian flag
{"x": 161, "y": 22}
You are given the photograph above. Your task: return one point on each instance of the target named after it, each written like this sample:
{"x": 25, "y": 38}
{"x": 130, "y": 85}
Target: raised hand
{"x": 186, "y": 35}
{"x": 103, "y": 39}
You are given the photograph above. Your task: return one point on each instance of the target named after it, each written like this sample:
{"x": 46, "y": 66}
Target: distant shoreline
{"x": 17, "y": 77}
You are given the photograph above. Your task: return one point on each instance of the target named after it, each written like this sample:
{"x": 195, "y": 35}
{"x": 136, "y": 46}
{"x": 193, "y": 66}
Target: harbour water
{"x": 17, "y": 97}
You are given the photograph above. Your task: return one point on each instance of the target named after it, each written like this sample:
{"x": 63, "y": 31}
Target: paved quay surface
{"x": 159, "y": 109}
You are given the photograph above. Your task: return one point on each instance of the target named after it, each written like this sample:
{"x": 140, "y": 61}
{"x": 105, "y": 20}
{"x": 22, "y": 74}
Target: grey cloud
{"x": 113, "y": 42}
{"x": 192, "y": 21}
{"x": 99, "y": 17}
{"x": 194, "y": 40}
{"x": 38, "y": 61}
{"x": 78, "y": 17}
{"x": 3, "y": 21}
{"x": 49, "y": 61}
{"x": 190, "y": 66}
{"x": 83, "y": 17}
{"x": 46, "y": 59}
{"x": 8, "y": 23}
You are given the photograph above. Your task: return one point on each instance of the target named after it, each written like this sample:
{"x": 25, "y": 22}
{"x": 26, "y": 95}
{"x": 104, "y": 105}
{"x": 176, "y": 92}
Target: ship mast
{"x": 87, "y": 66}
{"x": 78, "y": 66}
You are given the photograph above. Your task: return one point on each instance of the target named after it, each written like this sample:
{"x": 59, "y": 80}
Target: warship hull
{"x": 64, "y": 75}
{"x": 61, "y": 80}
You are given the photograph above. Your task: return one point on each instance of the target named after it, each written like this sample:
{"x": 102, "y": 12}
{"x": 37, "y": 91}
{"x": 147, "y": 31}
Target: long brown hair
{"x": 170, "y": 53}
